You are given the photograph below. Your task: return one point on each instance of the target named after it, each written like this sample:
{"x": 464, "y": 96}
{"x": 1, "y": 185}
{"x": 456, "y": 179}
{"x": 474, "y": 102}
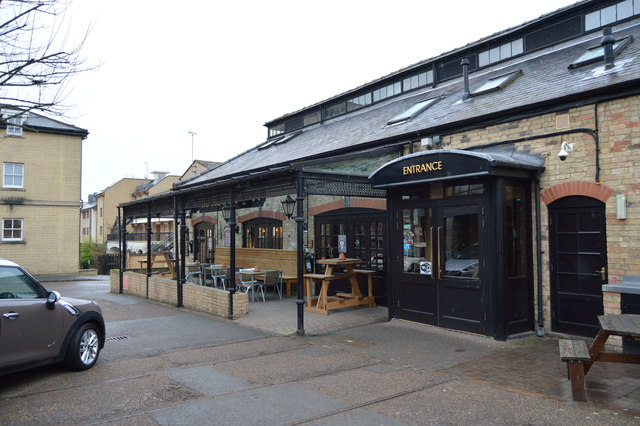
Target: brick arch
{"x": 566, "y": 189}
{"x": 365, "y": 203}
{"x": 262, "y": 213}
{"x": 201, "y": 219}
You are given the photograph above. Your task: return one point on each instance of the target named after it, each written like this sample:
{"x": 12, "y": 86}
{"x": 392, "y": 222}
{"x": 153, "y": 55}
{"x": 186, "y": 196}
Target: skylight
{"x": 597, "y": 53}
{"x": 413, "y": 111}
{"x": 496, "y": 83}
{"x": 280, "y": 140}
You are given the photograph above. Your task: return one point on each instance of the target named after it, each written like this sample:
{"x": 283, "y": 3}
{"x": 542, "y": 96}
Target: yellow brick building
{"x": 40, "y": 193}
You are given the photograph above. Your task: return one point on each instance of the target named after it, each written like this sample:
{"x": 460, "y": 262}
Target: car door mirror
{"x": 53, "y": 297}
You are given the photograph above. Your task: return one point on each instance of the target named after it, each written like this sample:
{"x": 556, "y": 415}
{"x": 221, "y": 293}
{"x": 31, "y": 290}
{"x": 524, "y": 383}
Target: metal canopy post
{"x": 300, "y": 250}
{"x": 149, "y": 233}
{"x": 121, "y": 273}
{"x": 180, "y": 262}
{"x": 232, "y": 258}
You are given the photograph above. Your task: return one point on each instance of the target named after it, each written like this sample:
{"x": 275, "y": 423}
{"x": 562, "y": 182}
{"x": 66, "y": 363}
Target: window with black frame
{"x": 262, "y": 233}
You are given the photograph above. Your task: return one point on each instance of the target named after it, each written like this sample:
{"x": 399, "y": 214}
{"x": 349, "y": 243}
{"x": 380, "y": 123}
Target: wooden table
{"x": 325, "y": 303}
{"x": 625, "y": 325}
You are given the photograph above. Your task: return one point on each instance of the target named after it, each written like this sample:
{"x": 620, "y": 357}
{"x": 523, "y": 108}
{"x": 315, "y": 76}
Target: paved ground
{"x": 165, "y": 365}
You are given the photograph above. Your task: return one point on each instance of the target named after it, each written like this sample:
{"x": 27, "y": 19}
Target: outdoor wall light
{"x": 226, "y": 212}
{"x": 565, "y": 149}
{"x": 288, "y": 204}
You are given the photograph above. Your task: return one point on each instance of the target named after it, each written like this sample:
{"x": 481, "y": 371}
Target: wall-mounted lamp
{"x": 621, "y": 206}
{"x": 565, "y": 149}
{"x": 288, "y": 205}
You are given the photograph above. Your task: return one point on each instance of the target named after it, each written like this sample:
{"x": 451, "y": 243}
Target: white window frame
{"x": 15, "y": 121}
{"x": 13, "y": 229}
{"x": 5, "y": 173}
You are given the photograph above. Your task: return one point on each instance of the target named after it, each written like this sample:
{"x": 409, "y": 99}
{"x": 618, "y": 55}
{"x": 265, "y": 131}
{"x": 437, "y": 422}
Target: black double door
{"x": 440, "y": 270}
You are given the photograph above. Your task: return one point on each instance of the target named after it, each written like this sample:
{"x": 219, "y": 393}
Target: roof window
{"x": 496, "y": 83}
{"x": 279, "y": 140}
{"x": 413, "y": 111}
{"x": 596, "y": 54}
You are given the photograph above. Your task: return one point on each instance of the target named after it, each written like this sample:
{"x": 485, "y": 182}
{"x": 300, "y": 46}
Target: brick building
{"x": 40, "y": 193}
{"x": 491, "y": 189}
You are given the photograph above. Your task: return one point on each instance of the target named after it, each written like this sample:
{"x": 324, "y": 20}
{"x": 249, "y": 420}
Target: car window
{"x": 14, "y": 284}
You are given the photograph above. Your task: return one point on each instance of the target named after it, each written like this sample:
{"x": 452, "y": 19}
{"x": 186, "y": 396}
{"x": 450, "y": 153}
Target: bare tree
{"x": 36, "y": 62}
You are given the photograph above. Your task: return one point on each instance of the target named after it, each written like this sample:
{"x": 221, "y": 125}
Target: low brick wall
{"x": 209, "y": 300}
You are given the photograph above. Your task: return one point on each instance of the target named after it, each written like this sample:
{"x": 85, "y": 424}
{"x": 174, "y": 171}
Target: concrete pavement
{"x": 166, "y": 365}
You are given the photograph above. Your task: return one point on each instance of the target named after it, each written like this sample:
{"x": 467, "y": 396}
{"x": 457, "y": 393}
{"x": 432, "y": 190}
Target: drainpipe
{"x": 540, "y": 331}
{"x": 607, "y": 42}
{"x": 465, "y": 76}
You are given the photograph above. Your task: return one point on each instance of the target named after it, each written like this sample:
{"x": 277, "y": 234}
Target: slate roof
{"x": 545, "y": 82}
{"x": 37, "y": 122}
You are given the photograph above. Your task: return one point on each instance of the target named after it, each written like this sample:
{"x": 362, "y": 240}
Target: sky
{"x": 222, "y": 69}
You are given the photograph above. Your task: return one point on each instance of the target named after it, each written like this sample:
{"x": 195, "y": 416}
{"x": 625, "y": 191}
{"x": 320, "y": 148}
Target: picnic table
{"x": 580, "y": 360}
{"x": 324, "y": 303}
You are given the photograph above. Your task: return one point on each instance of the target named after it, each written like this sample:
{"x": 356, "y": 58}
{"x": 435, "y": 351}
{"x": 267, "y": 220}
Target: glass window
{"x": 501, "y": 53}
{"x": 417, "y": 248}
{"x": 13, "y": 175}
{"x": 461, "y": 246}
{"x": 14, "y": 282}
{"x": 14, "y": 126}
{"x": 12, "y": 230}
{"x": 413, "y": 111}
{"x": 592, "y": 20}
{"x": 359, "y": 102}
{"x": 458, "y": 190}
{"x": 262, "y": 233}
{"x": 496, "y": 83}
{"x": 597, "y": 53}
{"x": 276, "y": 130}
{"x": 387, "y": 91}
{"x": 515, "y": 231}
{"x": 335, "y": 109}
{"x": 418, "y": 80}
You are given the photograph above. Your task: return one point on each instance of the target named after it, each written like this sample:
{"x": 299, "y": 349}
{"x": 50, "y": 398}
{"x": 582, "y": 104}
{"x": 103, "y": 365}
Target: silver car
{"x": 38, "y": 327}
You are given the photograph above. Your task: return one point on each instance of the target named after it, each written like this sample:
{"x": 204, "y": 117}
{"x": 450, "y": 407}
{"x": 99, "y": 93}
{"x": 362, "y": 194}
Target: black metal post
{"x": 300, "y": 251}
{"x": 232, "y": 259}
{"x": 176, "y": 242}
{"x": 123, "y": 230}
{"x": 180, "y": 266}
{"x": 149, "y": 233}
{"x": 121, "y": 274}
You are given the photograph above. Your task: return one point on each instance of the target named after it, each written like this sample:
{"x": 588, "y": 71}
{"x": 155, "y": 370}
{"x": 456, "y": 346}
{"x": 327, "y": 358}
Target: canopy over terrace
{"x": 328, "y": 176}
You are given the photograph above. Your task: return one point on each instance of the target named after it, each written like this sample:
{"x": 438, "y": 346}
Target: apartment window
{"x": 14, "y": 120}
{"x": 276, "y": 130}
{"x": 13, "y": 175}
{"x": 611, "y": 14}
{"x": 335, "y": 109}
{"x": 359, "y": 102}
{"x": 501, "y": 53}
{"x": 12, "y": 230}
{"x": 418, "y": 80}
{"x": 387, "y": 91}
{"x": 262, "y": 233}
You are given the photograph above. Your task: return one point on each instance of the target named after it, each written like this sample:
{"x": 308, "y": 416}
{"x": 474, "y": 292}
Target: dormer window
{"x": 496, "y": 83}
{"x": 413, "y": 111}
{"x": 596, "y": 54}
{"x": 15, "y": 120}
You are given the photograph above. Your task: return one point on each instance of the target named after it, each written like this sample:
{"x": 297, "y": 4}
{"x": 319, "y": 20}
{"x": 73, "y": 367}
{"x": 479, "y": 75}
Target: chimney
{"x": 607, "y": 42}
{"x": 465, "y": 76}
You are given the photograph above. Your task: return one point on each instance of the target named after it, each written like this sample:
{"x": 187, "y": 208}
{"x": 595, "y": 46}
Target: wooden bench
{"x": 289, "y": 280}
{"x": 575, "y": 353}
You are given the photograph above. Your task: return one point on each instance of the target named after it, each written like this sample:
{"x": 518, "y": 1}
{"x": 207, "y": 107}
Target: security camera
{"x": 565, "y": 149}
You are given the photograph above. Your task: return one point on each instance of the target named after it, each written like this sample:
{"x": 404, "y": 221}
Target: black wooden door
{"x": 578, "y": 264}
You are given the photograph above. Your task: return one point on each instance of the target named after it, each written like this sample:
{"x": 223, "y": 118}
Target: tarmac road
{"x": 164, "y": 365}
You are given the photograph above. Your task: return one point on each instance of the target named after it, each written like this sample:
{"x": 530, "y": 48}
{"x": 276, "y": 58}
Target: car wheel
{"x": 84, "y": 348}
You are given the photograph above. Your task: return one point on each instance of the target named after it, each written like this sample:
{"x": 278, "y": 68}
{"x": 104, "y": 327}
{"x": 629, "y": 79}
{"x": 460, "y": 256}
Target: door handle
{"x": 11, "y": 315}
{"x": 603, "y": 273}
{"x": 439, "y": 255}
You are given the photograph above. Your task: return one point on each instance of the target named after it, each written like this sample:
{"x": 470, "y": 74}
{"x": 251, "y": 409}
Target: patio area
{"x": 279, "y": 316}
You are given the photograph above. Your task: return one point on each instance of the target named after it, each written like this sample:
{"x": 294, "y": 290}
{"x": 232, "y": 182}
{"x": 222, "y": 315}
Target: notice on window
{"x": 342, "y": 243}
{"x": 425, "y": 268}
{"x": 227, "y": 237}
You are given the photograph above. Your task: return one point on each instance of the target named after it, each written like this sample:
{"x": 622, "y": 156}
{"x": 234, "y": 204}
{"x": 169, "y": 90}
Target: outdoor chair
{"x": 272, "y": 279}
{"x": 193, "y": 273}
{"x": 246, "y": 283}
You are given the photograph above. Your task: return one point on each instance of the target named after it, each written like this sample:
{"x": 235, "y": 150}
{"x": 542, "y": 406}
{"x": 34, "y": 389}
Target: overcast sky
{"x": 222, "y": 69}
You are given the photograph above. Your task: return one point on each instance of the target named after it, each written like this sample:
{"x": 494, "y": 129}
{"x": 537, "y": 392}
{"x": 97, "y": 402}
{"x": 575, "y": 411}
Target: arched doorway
{"x": 578, "y": 263}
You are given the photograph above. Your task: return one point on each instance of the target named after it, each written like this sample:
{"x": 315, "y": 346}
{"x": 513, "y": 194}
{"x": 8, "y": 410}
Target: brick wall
{"x": 209, "y": 300}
